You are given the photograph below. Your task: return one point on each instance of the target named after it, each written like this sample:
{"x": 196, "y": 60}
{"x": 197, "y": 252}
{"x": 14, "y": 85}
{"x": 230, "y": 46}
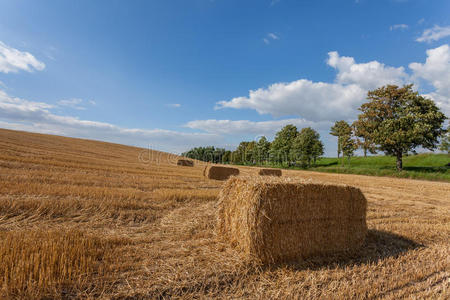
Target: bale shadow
{"x": 334, "y": 163}
{"x": 378, "y": 245}
{"x": 442, "y": 169}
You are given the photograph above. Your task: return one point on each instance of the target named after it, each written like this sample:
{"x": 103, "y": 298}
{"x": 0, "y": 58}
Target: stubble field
{"x": 90, "y": 219}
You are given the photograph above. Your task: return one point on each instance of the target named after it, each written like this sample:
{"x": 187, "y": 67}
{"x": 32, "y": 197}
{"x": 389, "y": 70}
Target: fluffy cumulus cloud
{"x": 366, "y": 75}
{"x": 434, "y": 34}
{"x": 13, "y": 60}
{"x": 314, "y": 101}
{"x": 436, "y": 71}
{"x": 20, "y": 114}
{"x": 322, "y": 101}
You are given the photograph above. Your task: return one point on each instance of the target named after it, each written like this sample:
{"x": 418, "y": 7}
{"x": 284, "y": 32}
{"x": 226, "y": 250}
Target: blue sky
{"x": 176, "y": 74}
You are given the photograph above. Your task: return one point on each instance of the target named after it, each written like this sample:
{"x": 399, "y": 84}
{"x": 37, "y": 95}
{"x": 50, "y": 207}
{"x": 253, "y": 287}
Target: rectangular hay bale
{"x": 270, "y": 172}
{"x": 185, "y": 163}
{"x": 221, "y": 173}
{"x": 284, "y": 219}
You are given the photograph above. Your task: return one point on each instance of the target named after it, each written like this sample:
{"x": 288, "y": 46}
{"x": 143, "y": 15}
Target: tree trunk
{"x": 365, "y": 152}
{"x": 399, "y": 161}
{"x": 339, "y": 147}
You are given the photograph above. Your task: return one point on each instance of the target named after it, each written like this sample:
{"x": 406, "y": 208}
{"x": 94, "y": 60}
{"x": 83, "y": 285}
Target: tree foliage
{"x": 445, "y": 141}
{"x": 306, "y": 147}
{"x": 239, "y": 155}
{"x": 207, "y": 154}
{"x": 398, "y": 120}
{"x": 361, "y": 130}
{"x": 280, "y": 148}
{"x": 226, "y": 157}
{"x": 342, "y": 131}
{"x": 262, "y": 150}
{"x": 251, "y": 155}
{"x": 346, "y": 144}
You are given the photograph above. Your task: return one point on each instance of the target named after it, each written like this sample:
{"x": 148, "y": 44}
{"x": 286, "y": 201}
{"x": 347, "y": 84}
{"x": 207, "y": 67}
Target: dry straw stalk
{"x": 283, "y": 219}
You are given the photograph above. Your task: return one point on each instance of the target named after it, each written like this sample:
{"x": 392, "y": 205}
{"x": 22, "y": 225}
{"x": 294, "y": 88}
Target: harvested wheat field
{"x": 87, "y": 219}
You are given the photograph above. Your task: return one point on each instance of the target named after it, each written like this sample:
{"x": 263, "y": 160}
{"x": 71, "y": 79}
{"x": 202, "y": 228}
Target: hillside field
{"x": 89, "y": 219}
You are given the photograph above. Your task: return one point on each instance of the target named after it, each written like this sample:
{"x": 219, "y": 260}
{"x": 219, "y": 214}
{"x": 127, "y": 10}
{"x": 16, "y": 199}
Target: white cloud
{"x": 436, "y": 70}
{"x": 273, "y": 36}
{"x": 16, "y": 113}
{"x": 270, "y": 36}
{"x": 267, "y": 128}
{"x": 434, "y": 34}
{"x": 366, "y": 75}
{"x": 312, "y": 100}
{"x": 13, "y": 60}
{"x": 174, "y": 105}
{"x": 399, "y": 27}
{"x": 74, "y": 103}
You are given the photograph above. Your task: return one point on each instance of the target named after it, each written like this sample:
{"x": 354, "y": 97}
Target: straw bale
{"x": 221, "y": 173}
{"x": 270, "y": 172}
{"x": 185, "y": 163}
{"x": 276, "y": 219}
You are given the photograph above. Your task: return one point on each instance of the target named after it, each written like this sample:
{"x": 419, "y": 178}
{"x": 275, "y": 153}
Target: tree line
{"x": 290, "y": 146}
{"x": 394, "y": 120}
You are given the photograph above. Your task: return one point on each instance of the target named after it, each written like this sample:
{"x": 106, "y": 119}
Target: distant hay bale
{"x": 283, "y": 219}
{"x": 270, "y": 172}
{"x": 220, "y": 173}
{"x": 185, "y": 163}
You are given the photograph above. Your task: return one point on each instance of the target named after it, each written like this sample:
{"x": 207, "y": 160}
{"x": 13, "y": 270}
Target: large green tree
{"x": 398, "y": 120}
{"x": 281, "y": 145}
{"x": 306, "y": 146}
